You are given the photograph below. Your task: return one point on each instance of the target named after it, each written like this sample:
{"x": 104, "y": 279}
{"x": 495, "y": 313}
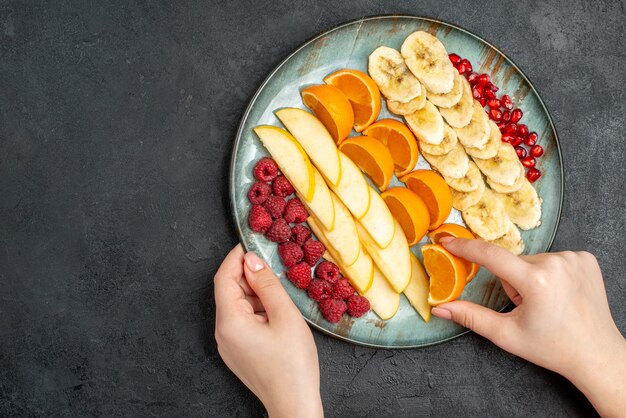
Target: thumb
{"x": 483, "y": 321}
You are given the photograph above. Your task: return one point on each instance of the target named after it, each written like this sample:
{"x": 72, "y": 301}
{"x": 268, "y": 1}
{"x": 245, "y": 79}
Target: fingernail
{"x": 253, "y": 262}
{"x": 445, "y": 240}
{"x": 441, "y": 313}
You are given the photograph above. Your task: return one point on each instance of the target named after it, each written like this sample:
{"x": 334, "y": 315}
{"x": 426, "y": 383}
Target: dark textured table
{"x": 116, "y": 127}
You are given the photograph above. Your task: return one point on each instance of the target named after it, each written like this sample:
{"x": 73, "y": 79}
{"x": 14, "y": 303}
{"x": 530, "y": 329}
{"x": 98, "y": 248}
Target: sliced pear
{"x": 290, "y": 157}
{"x": 378, "y": 221}
{"x": 419, "y": 287}
{"x": 321, "y": 205}
{"x": 384, "y": 300}
{"x": 352, "y": 189}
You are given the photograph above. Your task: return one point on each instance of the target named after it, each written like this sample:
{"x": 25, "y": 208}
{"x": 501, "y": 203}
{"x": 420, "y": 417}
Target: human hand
{"x": 561, "y": 321}
{"x": 263, "y": 339}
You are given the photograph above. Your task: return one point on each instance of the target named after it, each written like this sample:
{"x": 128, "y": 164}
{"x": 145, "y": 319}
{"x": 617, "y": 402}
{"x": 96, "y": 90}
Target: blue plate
{"x": 348, "y": 46}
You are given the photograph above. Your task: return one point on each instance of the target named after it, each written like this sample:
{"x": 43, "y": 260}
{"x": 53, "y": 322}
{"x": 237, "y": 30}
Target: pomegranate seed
{"x": 517, "y": 140}
{"x": 482, "y": 101}
{"x": 492, "y": 87}
{"x": 454, "y": 58}
{"x": 511, "y": 128}
{"x": 461, "y": 68}
{"x": 483, "y": 78}
{"x": 522, "y": 129}
{"x": 533, "y": 174}
{"x": 508, "y": 138}
{"x": 468, "y": 65}
{"x": 495, "y": 114}
{"x": 536, "y": 151}
{"x": 477, "y": 92}
{"x": 506, "y": 115}
{"x": 500, "y": 125}
{"x": 516, "y": 115}
{"x": 490, "y": 95}
{"x": 506, "y": 102}
{"x": 494, "y": 103}
{"x": 531, "y": 139}
{"x": 528, "y": 161}
{"x": 472, "y": 78}
{"x": 521, "y": 152}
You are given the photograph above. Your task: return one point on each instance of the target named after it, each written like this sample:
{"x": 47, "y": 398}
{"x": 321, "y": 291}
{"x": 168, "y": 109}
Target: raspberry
{"x": 275, "y": 206}
{"x": 290, "y": 253}
{"x": 313, "y": 251}
{"x": 259, "y": 192}
{"x": 295, "y": 211}
{"x": 342, "y": 290}
{"x": 328, "y": 271}
{"x": 300, "y": 234}
{"x": 333, "y": 309}
{"x": 300, "y": 275}
{"x": 265, "y": 169}
{"x": 282, "y": 187}
{"x": 258, "y": 219}
{"x": 319, "y": 290}
{"x": 279, "y": 231}
{"x": 358, "y": 306}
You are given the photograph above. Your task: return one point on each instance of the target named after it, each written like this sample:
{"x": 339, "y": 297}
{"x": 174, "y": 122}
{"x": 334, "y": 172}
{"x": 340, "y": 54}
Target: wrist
{"x": 289, "y": 406}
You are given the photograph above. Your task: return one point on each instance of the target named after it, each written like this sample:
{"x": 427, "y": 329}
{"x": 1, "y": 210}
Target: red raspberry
{"x": 282, "y": 187}
{"x": 319, "y": 290}
{"x": 333, "y": 309}
{"x": 300, "y": 275}
{"x": 295, "y": 211}
{"x": 279, "y": 231}
{"x": 342, "y": 290}
{"x": 259, "y": 192}
{"x": 275, "y": 206}
{"x": 265, "y": 169}
{"x": 258, "y": 219}
{"x": 358, "y": 306}
{"x": 328, "y": 271}
{"x": 313, "y": 251}
{"x": 290, "y": 253}
{"x": 300, "y": 234}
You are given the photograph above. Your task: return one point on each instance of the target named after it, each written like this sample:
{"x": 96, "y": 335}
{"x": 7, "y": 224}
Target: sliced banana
{"x": 460, "y": 114}
{"x": 524, "y": 206}
{"x": 476, "y": 134}
{"x": 503, "y": 167}
{"x": 501, "y": 188}
{"x": 451, "y": 98}
{"x": 465, "y": 200}
{"x": 469, "y": 182}
{"x": 454, "y": 164}
{"x": 409, "y": 107}
{"x": 427, "y": 58}
{"x": 487, "y": 218}
{"x": 386, "y": 66}
{"x": 448, "y": 143}
{"x": 511, "y": 241}
{"x": 493, "y": 143}
{"x": 426, "y": 124}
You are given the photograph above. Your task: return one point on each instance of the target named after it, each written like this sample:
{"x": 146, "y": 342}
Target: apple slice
{"x": 394, "y": 261}
{"x": 378, "y": 221}
{"x": 315, "y": 139}
{"x": 290, "y": 157}
{"x": 321, "y": 205}
{"x": 384, "y": 300}
{"x": 417, "y": 290}
{"x": 359, "y": 274}
{"x": 352, "y": 188}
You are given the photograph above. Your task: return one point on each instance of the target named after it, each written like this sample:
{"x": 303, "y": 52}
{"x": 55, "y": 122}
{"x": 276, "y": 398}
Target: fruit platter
{"x": 369, "y": 144}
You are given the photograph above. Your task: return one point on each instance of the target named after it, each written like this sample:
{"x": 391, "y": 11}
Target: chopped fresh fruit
{"x": 361, "y": 91}
{"x": 447, "y": 274}
{"x": 282, "y": 187}
{"x": 321, "y": 204}
{"x": 372, "y": 156}
{"x": 384, "y": 301}
{"x": 409, "y": 210}
{"x": 300, "y": 234}
{"x": 417, "y": 290}
{"x": 319, "y": 290}
{"x": 399, "y": 140}
{"x": 533, "y": 174}
{"x": 294, "y": 211}
{"x": 531, "y": 139}
{"x": 259, "y": 192}
{"x": 342, "y": 290}
{"x": 275, "y": 206}
{"x": 332, "y": 108}
{"x": 528, "y": 161}
{"x": 516, "y": 115}
{"x": 352, "y": 189}
{"x": 290, "y": 253}
{"x": 536, "y": 151}
{"x": 258, "y": 219}
{"x": 300, "y": 275}
{"x": 358, "y": 306}
{"x": 378, "y": 220}
{"x": 328, "y": 271}
{"x": 333, "y": 309}
{"x": 456, "y": 231}
{"x": 434, "y": 191}
{"x": 279, "y": 231}
{"x": 520, "y": 151}
{"x": 265, "y": 169}
{"x": 313, "y": 251}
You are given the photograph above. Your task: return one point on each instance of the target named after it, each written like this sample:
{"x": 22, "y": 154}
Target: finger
{"x": 510, "y": 291}
{"x": 246, "y": 287}
{"x": 256, "y": 304}
{"x": 483, "y": 321}
{"x": 261, "y": 317}
{"x": 226, "y": 281}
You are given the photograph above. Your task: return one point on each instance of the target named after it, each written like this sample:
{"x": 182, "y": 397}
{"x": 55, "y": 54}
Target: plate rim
{"x": 238, "y": 135}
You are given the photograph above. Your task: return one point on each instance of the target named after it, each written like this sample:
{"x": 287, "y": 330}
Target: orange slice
{"x": 400, "y": 141}
{"x": 361, "y": 91}
{"x": 372, "y": 157}
{"x": 456, "y": 231}
{"x": 332, "y": 108}
{"x": 447, "y": 274}
{"x": 410, "y": 211}
{"x": 434, "y": 191}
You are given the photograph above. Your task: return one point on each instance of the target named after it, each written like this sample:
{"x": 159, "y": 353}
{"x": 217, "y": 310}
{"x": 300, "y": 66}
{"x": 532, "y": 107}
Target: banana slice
{"x": 454, "y": 164}
{"x": 524, "y": 206}
{"x": 409, "y": 107}
{"x": 493, "y": 143}
{"x": 427, "y": 58}
{"x": 426, "y": 124}
{"x": 465, "y": 200}
{"x": 460, "y": 114}
{"x": 469, "y": 182}
{"x": 448, "y": 143}
{"x": 451, "y": 98}
{"x": 501, "y": 188}
{"x": 487, "y": 218}
{"x": 503, "y": 167}
{"x": 476, "y": 134}
{"x": 511, "y": 241}
{"x": 386, "y": 66}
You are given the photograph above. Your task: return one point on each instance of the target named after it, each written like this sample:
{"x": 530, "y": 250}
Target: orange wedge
{"x": 434, "y": 191}
{"x": 332, "y": 108}
{"x": 409, "y": 210}
{"x": 447, "y": 274}
{"x": 372, "y": 157}
{"x": 400, "y": 141}
{"x": 456, "y": 231}
{"x": 361, "y": 91}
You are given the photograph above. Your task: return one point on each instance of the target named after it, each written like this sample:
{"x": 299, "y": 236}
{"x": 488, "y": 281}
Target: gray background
{"x": 116, "y": 126}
